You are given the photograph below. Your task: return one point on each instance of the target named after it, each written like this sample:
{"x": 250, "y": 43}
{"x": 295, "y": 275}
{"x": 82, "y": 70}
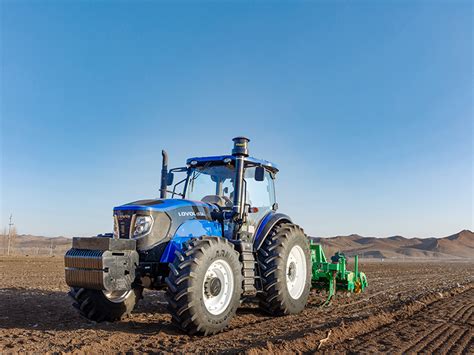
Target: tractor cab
{"x": 213, "y": 179}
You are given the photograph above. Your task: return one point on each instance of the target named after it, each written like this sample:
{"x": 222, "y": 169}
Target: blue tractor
{"x": 217, "y": 241}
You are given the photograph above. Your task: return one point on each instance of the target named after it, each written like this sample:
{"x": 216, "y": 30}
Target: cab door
{"x": 260, "y": 197}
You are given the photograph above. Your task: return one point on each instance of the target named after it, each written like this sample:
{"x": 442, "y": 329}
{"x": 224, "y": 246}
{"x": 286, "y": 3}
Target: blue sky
{"x": 367, "y": 108}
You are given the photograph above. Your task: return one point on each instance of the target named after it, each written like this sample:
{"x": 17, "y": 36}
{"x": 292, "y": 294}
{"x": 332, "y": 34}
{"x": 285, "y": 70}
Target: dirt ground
{"x": 408, "y": 307}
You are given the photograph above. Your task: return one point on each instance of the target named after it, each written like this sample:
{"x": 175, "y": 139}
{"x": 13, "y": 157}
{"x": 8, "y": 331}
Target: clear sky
{"x": 367, "y": 108}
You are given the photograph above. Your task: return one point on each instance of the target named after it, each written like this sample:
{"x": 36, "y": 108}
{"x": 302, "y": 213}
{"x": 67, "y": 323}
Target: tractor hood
{"x": 152, "y": 222}
{"x": 162, "y": 205}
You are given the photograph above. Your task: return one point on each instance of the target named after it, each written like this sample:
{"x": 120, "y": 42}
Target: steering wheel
{"x": 228, "y": 201}
{"x": 221, "y": 201}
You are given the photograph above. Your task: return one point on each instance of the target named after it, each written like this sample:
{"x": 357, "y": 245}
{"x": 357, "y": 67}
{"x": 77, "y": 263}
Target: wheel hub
{"x": 292, "y": 271}
{"x": 117, "y": 296}
{"x": 218, "y": 287}
{"x": 212, "y": 287}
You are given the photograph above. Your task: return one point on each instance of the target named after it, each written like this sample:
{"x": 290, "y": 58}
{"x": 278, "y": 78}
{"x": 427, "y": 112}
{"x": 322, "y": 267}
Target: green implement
{"x": 333, "y": 275}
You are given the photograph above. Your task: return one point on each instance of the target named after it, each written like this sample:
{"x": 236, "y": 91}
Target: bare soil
{"x": 408, "y": 307}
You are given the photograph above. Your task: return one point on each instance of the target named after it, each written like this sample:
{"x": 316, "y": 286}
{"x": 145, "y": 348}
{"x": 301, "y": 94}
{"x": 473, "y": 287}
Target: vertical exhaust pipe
{"x": 240, "y": 152}
{"x": 164, "y": 174}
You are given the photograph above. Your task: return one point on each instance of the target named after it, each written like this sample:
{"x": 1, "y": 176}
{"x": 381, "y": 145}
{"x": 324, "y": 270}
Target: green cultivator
{"x": 333, "y": 275}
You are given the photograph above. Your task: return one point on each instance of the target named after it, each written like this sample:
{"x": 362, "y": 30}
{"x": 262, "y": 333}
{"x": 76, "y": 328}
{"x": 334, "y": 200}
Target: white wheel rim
{"x": 296, "y": 272}
{"x": 117, "y": 296}
{"x": 217, "y": 299}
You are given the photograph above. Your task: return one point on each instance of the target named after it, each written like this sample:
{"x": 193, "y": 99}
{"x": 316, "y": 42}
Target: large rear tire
{"x": 285, "y": 265}
{"x": 204, "y": 285}
{"x": 102, "y": 306}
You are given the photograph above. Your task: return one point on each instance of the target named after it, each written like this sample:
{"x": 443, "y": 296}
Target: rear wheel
{"x": 99, "y": 306}
{"x": 285, "y": 265}
{"x": 204, "y": 285}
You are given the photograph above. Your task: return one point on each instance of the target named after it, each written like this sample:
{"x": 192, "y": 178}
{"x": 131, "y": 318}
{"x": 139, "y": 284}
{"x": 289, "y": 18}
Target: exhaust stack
{"x": 164, "y": 174}
{"x": 240, "y": 152}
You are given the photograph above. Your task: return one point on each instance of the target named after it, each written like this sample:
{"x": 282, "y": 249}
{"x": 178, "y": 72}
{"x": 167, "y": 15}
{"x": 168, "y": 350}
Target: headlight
{"x": 143, "y": 226}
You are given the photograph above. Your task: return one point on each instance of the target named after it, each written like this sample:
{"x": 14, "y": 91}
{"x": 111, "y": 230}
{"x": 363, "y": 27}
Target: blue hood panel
{"x": 161, "y": 205}
{"x": 188, "y": 219}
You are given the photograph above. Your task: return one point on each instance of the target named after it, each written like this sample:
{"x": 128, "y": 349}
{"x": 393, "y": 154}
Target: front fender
{"x": 190, "y": 229}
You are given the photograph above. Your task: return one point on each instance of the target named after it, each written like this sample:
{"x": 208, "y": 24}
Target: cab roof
{"x": 219, "y": 159}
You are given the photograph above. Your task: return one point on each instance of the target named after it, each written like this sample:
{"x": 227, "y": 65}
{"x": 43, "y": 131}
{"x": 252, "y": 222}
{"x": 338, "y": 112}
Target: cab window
{"x": 259, "y": 193}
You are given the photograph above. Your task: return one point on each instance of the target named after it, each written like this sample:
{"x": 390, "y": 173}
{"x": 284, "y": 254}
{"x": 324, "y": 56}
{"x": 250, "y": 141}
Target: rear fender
{"x": 266, "y": 225}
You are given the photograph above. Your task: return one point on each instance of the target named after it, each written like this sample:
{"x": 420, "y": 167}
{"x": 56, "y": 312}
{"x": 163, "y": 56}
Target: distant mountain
{"x": 456, "y": 246}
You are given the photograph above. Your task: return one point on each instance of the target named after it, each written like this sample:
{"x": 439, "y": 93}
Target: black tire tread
{"x": 93, "y": 305}
{"x": 183, "y": 296}
{"x": 274, "y": 299}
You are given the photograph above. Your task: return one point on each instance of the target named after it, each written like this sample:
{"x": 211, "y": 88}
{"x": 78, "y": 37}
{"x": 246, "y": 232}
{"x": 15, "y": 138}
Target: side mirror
{"x": 169, "y": 179}
{"x": 259, "y": 173}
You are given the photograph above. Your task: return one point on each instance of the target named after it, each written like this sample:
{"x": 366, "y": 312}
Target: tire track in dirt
{"x": 456, "y": 328}
{"x": 448, "y": 347}
{"x": 467, "y": 317}
{"x": 431, "y": 339}
{"x": 462, "y": 313}
{"x": 437, "y": 335}
{"x": 341, "y": 336}
{"x": 358, "y": 328}
{"x": 462, "y": 345}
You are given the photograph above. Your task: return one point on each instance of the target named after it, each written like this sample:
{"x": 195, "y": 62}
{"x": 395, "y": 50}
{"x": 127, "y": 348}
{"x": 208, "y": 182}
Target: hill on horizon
{"x": 27, "y": 244}
{"x": 456, "y": 246}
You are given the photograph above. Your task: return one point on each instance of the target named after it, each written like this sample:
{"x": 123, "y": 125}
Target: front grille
{"x": 124, "y": 220}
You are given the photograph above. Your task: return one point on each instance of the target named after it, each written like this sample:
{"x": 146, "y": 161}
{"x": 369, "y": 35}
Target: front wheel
{"x": 99, "y": 306}
{"x": 285, "y": 264}
{"x": 204, "y": 285}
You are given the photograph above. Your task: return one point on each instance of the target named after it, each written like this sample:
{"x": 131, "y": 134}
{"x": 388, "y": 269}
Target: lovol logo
{"x": 123, "y": 216}
{"x": 191, "y": 214}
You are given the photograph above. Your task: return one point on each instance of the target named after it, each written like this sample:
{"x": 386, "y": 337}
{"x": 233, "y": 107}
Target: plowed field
{"x": 408, "y": 307}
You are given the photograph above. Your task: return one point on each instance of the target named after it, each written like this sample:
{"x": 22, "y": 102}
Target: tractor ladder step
{"x": 247, "y": 259}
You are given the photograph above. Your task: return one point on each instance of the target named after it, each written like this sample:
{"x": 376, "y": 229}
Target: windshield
{"x": 208, "y": 182}
{"x": 211, "y": 180}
